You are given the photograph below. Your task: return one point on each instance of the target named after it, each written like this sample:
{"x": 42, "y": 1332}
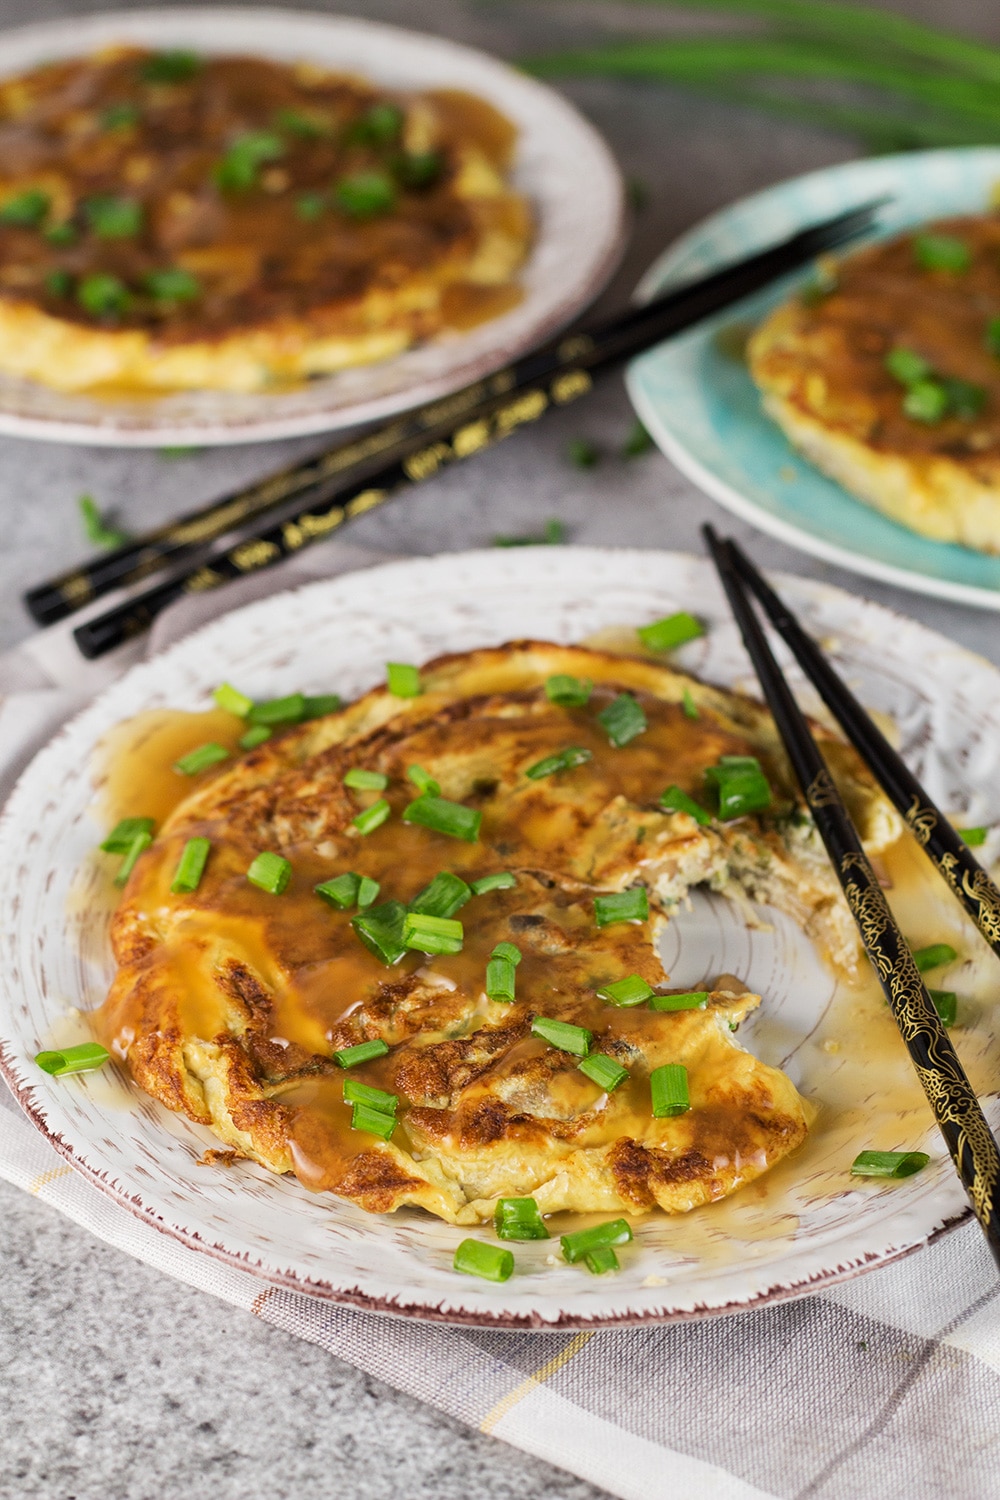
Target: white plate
{"x": 705, "y": 412}
{"x": 562, "y": 165}
{"x": 338, "y": 635}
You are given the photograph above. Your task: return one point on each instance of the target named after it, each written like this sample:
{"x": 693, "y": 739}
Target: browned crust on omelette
{"x": 229, "y": 1003}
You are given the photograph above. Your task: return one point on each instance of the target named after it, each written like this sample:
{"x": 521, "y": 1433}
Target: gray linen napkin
{"x": 887, "y": 1386}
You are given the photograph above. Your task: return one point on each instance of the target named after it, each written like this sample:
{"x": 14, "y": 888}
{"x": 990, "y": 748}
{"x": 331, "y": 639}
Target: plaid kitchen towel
{"x": 885, "y": 1388}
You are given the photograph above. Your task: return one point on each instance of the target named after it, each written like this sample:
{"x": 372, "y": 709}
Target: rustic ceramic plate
{"x": 696, "y": 396}
{"x": 813, "y": 1225}
{"x": 562, "y": 166}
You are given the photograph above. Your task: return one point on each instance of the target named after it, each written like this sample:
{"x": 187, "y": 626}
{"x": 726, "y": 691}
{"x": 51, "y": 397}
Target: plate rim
{"x": 721, "y": 490}
{"x": 124, "y": 1193}
{"x": 224, "y": 432}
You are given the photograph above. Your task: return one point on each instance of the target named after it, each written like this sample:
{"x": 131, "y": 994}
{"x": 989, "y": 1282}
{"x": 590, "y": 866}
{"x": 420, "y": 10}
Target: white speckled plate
{"x": 562, "y": 165}
{"x": 815, "y": 1225}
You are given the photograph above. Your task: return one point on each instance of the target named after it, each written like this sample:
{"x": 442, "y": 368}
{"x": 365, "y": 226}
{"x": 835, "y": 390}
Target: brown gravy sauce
{"x": 859, "y": 1084}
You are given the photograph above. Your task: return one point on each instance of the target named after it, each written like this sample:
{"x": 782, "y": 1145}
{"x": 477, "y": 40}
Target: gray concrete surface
{"x": 115, "y": 1383}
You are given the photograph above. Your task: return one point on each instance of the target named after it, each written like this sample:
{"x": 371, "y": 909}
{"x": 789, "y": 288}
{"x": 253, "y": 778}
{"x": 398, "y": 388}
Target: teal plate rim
{"x": 701, "y": 407}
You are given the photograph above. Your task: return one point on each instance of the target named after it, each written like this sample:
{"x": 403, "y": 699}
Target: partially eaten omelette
{"x": 407, "y": 949}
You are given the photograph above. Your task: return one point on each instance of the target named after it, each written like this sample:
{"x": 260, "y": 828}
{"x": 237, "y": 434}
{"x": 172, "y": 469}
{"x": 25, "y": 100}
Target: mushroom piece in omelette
{"x": 231, "y": 1004}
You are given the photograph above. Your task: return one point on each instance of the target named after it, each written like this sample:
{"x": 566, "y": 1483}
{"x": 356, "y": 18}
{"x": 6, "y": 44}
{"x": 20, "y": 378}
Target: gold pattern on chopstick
{"x": 254, "y": 554}
{"x": 77, "y": 590}
{"x": 205, "y": 578}
{"x": 575, "y": 345}
{"x": 567, "y": 387}
{"x": 821, "y": 791}
{"x": 944, "y": 1082}
{"x": 922, "y": 821}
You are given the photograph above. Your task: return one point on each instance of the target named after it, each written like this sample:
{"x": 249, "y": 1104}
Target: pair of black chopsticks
{"x": 258, "y": 527}
{"x": 949, "y": 1092}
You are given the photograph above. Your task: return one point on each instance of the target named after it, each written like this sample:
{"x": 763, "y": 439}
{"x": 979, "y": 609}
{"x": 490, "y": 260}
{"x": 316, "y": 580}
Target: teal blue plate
{"x": 695, "y": 396}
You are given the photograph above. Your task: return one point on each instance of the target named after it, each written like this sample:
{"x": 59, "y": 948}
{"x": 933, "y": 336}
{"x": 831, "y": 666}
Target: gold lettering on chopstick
{"x": 526, "y": 408}
{"x": 575, "y": 345}
{"x": 567, "y": 387}
{"x": 205, "y": 578}
{"x": 254, "y": 554}
{"x": 427, "y": 461}
{"x": 76, "y": 590}
{"x": 470, "y": 438}
{"x": 367, "y": 500}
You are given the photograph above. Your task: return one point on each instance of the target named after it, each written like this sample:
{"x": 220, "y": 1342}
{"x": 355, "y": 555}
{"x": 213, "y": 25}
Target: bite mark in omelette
{"x": 230, "y": 1003}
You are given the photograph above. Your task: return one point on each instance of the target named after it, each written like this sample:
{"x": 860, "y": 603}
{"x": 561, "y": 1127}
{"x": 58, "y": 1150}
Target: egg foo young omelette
{"x": 170, "y": 221}
{"x": 439, "y": 984}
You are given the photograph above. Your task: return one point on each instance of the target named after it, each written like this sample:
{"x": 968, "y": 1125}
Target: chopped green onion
{"x": 361, "y": 780}
{"x": 103, "y": 295}
{"x": 669, "y": 1089}
{"x": 442, "y": 816}
{"x": 993, "y": 336}
{"x": 741, "y": 784}
{"x": 586, "y": 1242}
{"x": 232, "y": 700}
{"x": 356, "y": 1092}
{"x": 888, "y": 1163}
{"x": 563, "y": 1034}
{"x": 341, "y": 891}
{"x": 446, "y": 894}
{"x": 510, "y": 951}
{"x": 380, "y": 125}
{"x": 199, "y": 760}
{"x": 946, "y": 1005}
{"x": 690, "y": 706}
{"x": 97, "y": 530}
{"x": 113, "y": 218}
{"x": 503, "y": 880}
{"x": 568, "y": 691}
{"x": 563, "y": 760}
{"x": 402, "y": 680}
{"x": 322, "y": 704}
{"x": 271, "y": 872}
{"x": 58, "y": 283}
{"x": 365, "y": 195}
{"x": 965, "y": 400}
{"x": 599, "y": 1261}
{"x": 374, "y": 1121}
{"x": 604, "y": 1071}
{"x": 372, "y": 817}
{"x": 310, "y": 206}
{"x": 255, "y": 735}
{"x": 417, "y": 169}
{"x": 299, "y": 124}
{"x": 119, "y": 116}
{"x": 491, "y": 1262}
{"x": 674, "y": 800}
{"x": 632, "y": 990}
{"x": 926, "y": 401}
{"x": 172, "y": 285}
{"x": 974, "y": 837}
{"x": 942, "y": 252}
{"x": 140, "y": 841}
{"x": 83, "y": 1058}
{"x": 934, "y": 956}
{"x": 432, "y": 934}
{"x": 501, "y": 979}
{"x": 26, "y": 210}
{"x": 288, "y": 710}
{"x": 368, "y": 889}
{"x": 191, "y": 866}
{"x": 670, "y": 632}
{"x": 380, "y": 928}
{"x": 119, "y": 840}
{"x": 623, "y": 720}
{"x": 519, "y": 1219}
{"x": 423, "y": 781}
{"x": 582, "y": 453}
{"x": 908, "y": 367}
{"x": 176, "y": 66}
{"x": 361, "y": 1052}
{"x": 637, "y": 442}
{"x": 61, "y": 234}
{"x": 692, "y": 1000}
{"x": 624, "y": 906}
{"x": 239, "y": 168}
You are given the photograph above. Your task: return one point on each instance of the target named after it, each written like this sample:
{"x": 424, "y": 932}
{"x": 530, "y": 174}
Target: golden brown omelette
{"x": 886, "y": 374}
{"x": 170, "y": 221}
{"x": 231, "y": 1002}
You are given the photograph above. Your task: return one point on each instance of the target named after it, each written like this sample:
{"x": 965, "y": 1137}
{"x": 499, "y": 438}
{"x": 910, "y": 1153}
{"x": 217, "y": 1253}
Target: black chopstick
{"x": 950, "y": 1094}
{"x": 945, "y": 849}
{"x": 291, "y": 509}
